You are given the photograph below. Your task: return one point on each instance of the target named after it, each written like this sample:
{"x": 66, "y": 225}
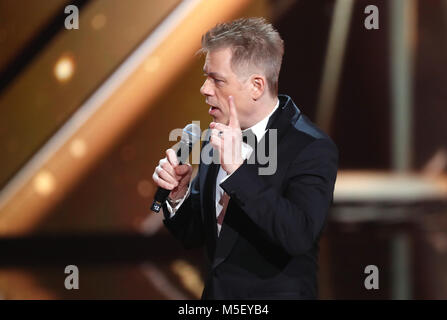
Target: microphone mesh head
{"x": 191, "y": 133}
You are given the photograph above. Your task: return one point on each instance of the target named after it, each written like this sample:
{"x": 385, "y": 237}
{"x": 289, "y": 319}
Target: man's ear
{"x": 258, "y": 86}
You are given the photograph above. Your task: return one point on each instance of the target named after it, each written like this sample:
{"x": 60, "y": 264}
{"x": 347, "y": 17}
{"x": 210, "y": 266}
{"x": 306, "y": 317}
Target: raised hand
{"x": 227, "y": 140}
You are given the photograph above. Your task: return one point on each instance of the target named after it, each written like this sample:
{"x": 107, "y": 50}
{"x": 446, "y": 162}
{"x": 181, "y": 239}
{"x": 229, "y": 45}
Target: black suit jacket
{"x": 268, "y": 245}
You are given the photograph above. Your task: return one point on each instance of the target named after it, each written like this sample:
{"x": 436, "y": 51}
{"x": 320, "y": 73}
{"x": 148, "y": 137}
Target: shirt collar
{"x": 259, "y": 128}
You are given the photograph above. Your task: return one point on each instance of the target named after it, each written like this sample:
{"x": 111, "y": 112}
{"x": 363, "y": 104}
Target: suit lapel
{"x": 208, "y": 177}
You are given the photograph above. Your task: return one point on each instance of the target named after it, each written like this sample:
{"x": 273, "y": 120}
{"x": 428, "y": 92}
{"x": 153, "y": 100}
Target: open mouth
{"x": 213, "y": 110}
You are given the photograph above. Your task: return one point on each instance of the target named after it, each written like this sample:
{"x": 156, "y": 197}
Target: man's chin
{"x": 224, "y": 122}
{"x": 219, "y": 120}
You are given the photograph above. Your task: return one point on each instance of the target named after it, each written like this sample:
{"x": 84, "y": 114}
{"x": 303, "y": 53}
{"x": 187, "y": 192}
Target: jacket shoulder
{"x": 308, "y": 132}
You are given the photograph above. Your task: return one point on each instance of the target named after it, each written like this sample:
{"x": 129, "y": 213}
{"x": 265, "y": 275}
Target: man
{"x": 260, "y": 232}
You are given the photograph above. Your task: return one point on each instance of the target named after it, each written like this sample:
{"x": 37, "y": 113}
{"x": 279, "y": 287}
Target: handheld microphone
{"x": 191, "y": 134}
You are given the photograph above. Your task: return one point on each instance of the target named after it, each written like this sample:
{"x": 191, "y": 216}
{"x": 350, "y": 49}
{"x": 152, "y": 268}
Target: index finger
{"x": 234, "y": 121}
{"x": 172, "y": 157}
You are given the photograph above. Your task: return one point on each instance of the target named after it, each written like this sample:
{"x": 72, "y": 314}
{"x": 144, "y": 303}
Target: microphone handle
{"x": 162, "y": 194}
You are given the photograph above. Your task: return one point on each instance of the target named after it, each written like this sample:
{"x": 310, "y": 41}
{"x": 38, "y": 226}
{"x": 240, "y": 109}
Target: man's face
{"x": 221, "y": 82}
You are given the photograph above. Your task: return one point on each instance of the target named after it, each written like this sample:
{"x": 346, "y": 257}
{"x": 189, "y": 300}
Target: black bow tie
{"x": 249, "y": 138}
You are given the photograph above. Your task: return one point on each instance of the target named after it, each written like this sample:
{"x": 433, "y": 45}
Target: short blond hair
{"x": 254, "y": 43}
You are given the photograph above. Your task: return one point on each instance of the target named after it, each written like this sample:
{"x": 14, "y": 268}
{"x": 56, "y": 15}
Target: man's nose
{"x": 206, "y": 89}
